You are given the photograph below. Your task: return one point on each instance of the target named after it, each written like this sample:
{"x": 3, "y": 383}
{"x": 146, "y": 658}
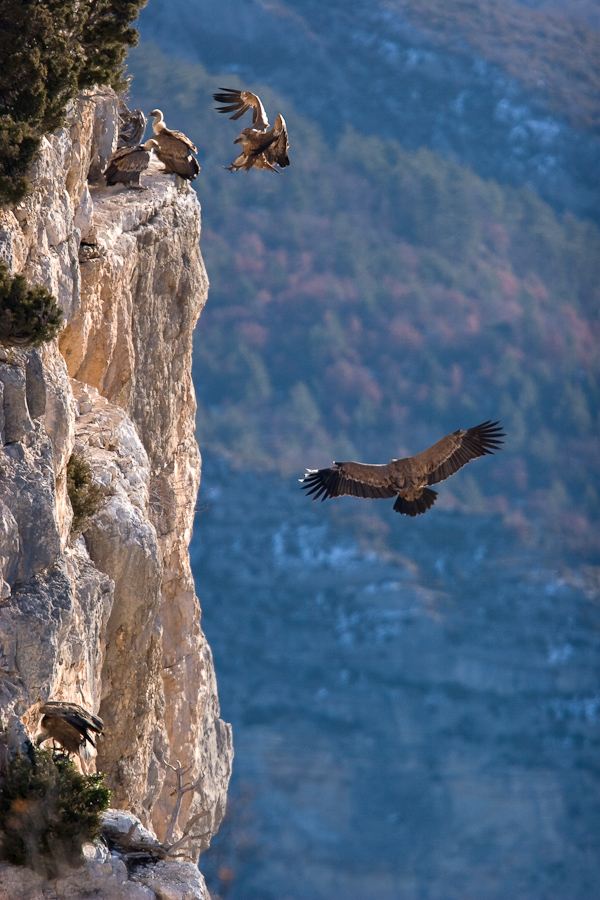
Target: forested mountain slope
{"x": 549, "y": 53}
{"x": 371, "y": 299}
{"x": 508, "y": 90}
{"x": 414, "y": 704}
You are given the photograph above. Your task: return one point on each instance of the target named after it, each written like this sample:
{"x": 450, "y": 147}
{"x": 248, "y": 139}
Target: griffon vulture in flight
{"x": 175, "y": 150}
{"x": 127, "y": 164}
{"x": 407, "y": 478}
{"x": 262, "y": 148}
{"x": 69, "y": 724}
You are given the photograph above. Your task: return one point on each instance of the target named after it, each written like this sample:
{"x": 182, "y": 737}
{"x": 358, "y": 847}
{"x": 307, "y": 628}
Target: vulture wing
{"x": 130, "y": 159}
{"x": 175, "y": 152}
{"x": 353, "y": 478}
{"x": 132, "y": 125}
{"x": 74, "y": 715}
{"x": 179, "y": 143}
{"x": 277, "y": 152}
{"x": 457, "y": 449}
{"x": 126, "y": 164}
{"x": 239, "y": 102}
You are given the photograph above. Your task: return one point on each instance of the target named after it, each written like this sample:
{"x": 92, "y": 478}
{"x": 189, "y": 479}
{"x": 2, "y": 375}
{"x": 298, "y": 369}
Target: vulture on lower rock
{"x": 69, "y": 724}
{"x": 175, "y": 150}
{"x": 127, "y": 164}
{"x": 406, "y": 479}
{"x": 262, "y": 147}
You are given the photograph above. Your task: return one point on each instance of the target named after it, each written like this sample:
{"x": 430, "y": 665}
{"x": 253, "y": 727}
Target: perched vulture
{"x": 262, "y": 148}
{"x": 127, "y": 164}
{"x": 175, "y": 150}
{"x": 408, "y": 478}
{"x": 132, "y": 125}
{"x": 69, "y": 724}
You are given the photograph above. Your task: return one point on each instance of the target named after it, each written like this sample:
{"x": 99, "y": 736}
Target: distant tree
{"x": 50, "y": 50}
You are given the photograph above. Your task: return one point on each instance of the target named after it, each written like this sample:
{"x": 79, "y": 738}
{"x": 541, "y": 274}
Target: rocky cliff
{"x": 108, "y": 618}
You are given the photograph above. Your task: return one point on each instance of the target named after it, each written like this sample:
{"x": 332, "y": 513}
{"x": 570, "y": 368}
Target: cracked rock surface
{"x": 108, "y": 617}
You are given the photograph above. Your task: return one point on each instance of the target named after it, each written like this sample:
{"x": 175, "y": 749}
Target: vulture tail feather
{"x": 415, "y": 507}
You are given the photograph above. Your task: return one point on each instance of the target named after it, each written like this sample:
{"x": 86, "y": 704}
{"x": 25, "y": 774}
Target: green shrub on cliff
{"x": 48, "y": 809}
{"x": 29, "y": 316}
{"x": 85, "y": 496}
{"x": 50, "y": 50}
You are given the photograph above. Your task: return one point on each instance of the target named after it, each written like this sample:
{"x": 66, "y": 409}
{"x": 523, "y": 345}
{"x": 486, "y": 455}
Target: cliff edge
{"x": 109, "y": 618}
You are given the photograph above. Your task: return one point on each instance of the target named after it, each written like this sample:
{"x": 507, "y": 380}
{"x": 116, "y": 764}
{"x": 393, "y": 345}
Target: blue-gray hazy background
{"x": 415, "y": 703}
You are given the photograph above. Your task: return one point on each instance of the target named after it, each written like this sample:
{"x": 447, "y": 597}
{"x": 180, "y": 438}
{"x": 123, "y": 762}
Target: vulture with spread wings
{"x": 175, "y": 150}
{"x": 406, "y": 479}
{"x": 262, "y": 147}
{"x": 132, "y": 125}
{"x": 69, "y": 724}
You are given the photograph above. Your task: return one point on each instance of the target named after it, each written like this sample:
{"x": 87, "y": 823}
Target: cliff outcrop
{"x": 109, "y": 618}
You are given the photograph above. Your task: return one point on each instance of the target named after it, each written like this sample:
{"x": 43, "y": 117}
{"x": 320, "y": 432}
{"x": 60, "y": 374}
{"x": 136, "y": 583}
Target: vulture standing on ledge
{"x": 127, "y": 164}
{"x": 175, "y": 150}
{"x": 408, "y": 478}
{"x": 69, "y": 724}
{"x": 261, "y": 148}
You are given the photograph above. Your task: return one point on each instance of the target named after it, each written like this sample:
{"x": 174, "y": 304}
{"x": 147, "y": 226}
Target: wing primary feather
{"x": 482, "y": 440}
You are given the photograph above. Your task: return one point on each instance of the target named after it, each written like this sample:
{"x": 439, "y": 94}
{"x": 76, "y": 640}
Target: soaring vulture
{"x": 175, "y": 150}
{"x": 262, "y": 148}
{"x": 127, "y": 164}
{"x": 408, "y": 478}
{"x": 132, "y": 125}
{"x": 69, "y": 724}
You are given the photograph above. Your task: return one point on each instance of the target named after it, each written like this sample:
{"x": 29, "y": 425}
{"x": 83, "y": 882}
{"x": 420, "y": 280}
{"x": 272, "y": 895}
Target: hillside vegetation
{"x": 371, "y": 299}
{"x": 550, "y": 55}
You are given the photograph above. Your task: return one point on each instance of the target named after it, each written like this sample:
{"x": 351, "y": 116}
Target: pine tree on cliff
{"x": 50, "y": 50}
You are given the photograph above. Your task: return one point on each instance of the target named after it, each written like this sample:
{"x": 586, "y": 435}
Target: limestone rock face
{"x": 124, "y": 873}
{"x": 109, "y": 618}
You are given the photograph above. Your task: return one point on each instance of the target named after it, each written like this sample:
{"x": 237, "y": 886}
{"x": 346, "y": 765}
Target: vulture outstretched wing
{"x": 407, "y": 478}
{"x": 239, "y": 102}
{"x": 352, "y": 478}
{"x": 132, "y": 125}
{"x": 457, "y": 449}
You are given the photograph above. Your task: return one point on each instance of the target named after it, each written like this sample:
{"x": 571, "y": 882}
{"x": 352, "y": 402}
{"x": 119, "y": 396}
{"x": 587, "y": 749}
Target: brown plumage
{"x": 262, "y": 147}
{"x": 127, "y": 164}
{"x": 175, "y": 150}
{"x": 69, "y": 724}
{"x": 132, "y": 125}
{"x": 407, "y": 478}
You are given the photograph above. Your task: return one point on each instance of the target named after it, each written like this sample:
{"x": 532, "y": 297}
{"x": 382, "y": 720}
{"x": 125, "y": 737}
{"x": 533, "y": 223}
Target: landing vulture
{"x": 132, "y": 125}
{"x": 262, "y": 148}
{"x": 127, "y": 164}
{"x": 69, "y": 724}
{"x": 408, "y": 478}
{"x": 175, "y": 150}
